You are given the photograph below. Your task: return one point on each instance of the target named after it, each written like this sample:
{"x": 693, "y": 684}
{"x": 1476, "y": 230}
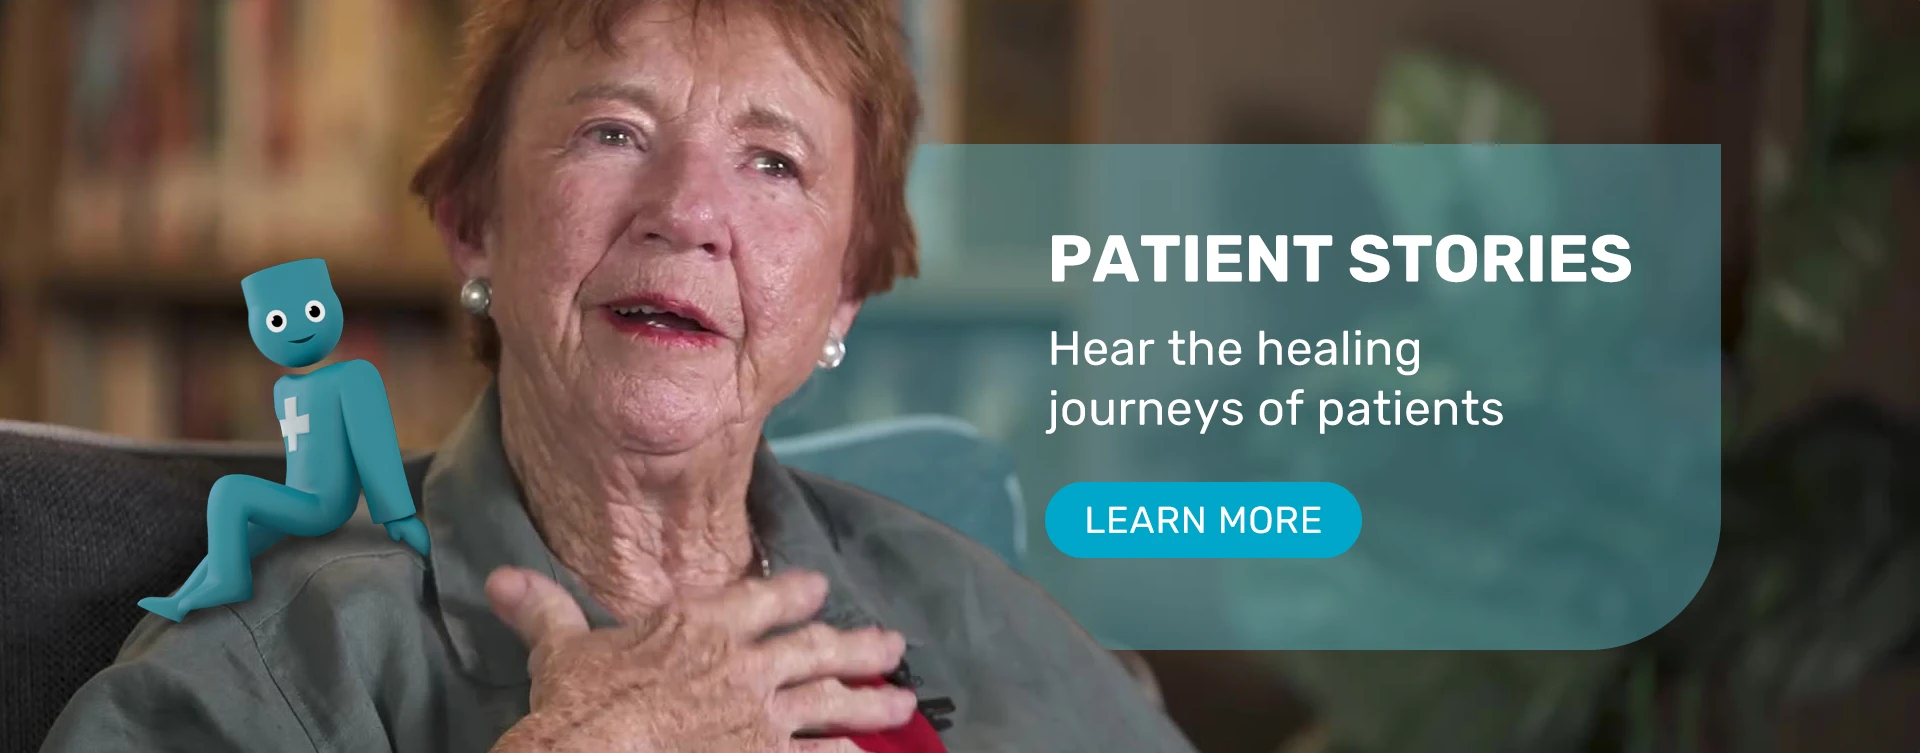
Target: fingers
{"x": 820, "y": 651}
{"x": 829, "y": 705}
{"x": 753, "y": 607}
{"x": 538, "y": 609}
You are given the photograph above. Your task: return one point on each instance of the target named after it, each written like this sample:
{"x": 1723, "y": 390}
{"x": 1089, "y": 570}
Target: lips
{"x": 662, "y": 317}
{"x": 301, "y": 340}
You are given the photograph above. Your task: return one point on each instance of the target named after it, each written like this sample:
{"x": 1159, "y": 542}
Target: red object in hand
{"x": 916, "y": 736}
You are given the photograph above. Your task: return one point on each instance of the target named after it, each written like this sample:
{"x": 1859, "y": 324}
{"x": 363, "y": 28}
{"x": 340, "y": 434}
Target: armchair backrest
{"x": 938, "y": 465}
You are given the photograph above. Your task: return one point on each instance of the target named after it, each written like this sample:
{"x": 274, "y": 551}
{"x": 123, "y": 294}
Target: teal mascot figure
{"x": 339, "y": 437}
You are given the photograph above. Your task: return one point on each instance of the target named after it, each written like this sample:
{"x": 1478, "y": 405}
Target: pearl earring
{"x": 476, "y": 296}
{"x": 833, "y": 352}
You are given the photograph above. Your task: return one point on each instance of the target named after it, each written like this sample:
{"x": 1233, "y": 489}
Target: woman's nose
{"x": 686, "y": 204}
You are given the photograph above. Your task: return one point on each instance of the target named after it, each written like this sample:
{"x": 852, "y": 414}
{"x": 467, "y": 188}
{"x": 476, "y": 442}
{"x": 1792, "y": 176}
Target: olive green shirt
{"x": 353, "y": 642}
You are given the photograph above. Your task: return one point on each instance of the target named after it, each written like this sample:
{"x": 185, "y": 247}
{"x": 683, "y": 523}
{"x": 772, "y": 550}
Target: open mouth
{"x": 664, "y": 315}
{"x": 301, "y": 340}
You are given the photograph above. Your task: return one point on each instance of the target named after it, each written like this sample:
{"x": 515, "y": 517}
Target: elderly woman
{"x": 668, "y": 215}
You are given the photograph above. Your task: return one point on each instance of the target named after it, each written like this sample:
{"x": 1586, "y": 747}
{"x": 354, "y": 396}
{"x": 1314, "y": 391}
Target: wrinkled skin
{"x": 700, "y": 676}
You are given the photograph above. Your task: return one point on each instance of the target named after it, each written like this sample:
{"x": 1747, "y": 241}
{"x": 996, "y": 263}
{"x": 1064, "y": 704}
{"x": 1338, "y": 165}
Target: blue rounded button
{"x": 1205, "y": 520}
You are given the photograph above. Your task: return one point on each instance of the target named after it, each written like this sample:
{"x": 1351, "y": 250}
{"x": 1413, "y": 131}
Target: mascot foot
{"x": 217, "y": 591}
{"x": 165, "y": 606}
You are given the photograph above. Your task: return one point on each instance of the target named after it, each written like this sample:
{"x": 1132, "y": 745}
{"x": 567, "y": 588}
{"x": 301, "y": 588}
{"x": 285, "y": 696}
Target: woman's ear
{"x": 469, "y": 254}
{"x": 843, "y": 316}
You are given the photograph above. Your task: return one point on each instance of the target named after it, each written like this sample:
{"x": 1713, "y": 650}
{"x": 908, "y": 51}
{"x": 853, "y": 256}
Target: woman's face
{"x": 666, "y": 257}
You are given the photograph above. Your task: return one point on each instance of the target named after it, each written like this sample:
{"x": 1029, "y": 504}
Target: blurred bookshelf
{"x": 157, "y": 151}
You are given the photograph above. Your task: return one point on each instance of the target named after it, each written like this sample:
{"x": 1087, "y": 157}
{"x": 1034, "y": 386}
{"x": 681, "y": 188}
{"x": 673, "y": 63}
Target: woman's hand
{"x": 698, "y": 676}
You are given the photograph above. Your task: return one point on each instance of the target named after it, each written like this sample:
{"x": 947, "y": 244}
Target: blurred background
{"x": 153, "y": 152}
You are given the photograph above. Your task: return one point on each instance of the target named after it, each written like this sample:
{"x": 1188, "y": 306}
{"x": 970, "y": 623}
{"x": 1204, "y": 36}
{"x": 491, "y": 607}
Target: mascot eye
{"x": 276, "y": 321}
{"x": 316, "y": 311}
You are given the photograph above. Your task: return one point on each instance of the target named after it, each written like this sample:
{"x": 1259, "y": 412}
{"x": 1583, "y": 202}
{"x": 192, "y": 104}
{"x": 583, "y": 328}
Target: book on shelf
{"x": 244, "y": 132}
{"x": 69, "y": 371}
{"x": 110, "y": 373}
{"x": 139, "y": 375}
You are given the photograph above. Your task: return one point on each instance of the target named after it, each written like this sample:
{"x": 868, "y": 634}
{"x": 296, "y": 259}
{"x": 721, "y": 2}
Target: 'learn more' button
{"x": 1204, "y": 520}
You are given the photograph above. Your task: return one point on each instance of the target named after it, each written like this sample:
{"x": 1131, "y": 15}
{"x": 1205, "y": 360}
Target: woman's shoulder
{"x": 355, "y": 570}
{"x": 306, "y": 590}
{"x": 269, "y": 673}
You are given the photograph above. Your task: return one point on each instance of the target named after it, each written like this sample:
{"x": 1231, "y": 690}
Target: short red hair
{"x": 857, "y": 48}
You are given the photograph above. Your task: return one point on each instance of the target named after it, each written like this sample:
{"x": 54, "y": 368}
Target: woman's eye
{"x": 612, "y": 136}
{"x": 776, "y": 165}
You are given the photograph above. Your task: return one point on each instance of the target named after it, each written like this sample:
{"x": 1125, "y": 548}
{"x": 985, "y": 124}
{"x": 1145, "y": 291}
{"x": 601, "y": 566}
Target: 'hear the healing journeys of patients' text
{"x": 1234, "y": 258}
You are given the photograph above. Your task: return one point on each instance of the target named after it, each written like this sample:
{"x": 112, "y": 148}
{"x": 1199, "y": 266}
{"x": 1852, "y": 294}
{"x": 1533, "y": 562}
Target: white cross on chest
{"x": 293, "y": 426}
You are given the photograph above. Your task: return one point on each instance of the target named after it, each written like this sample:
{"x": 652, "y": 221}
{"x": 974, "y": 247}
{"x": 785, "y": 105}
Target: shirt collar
{"x": 472, "y": 505}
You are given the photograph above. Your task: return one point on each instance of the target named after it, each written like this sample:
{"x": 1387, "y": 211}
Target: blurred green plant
{"x": 1813, "y": 587}
{"x": 1446, "y": 700}
{"x": 1425, "y": 98}
{"x": 1819, "y": 561}
{"x": 1820, "y": 546}
{"x": 1827, "y": 227}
